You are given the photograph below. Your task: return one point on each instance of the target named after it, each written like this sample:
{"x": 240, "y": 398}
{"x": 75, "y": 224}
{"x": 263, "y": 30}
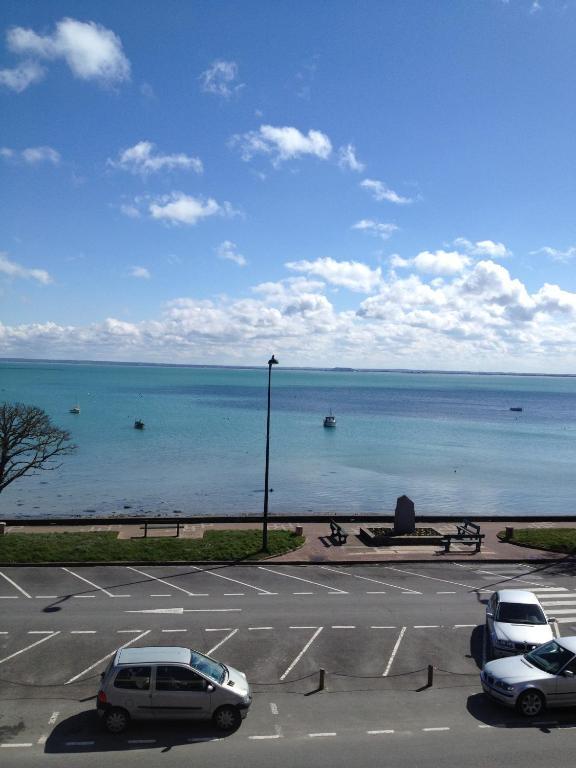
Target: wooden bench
{"x": 155, "y": 526}
{"x": 467, "y": 533}
{"x": 338, "y": 533}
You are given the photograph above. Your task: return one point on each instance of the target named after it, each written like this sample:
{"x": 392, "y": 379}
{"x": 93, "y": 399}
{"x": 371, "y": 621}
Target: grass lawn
{"x": 103, "y": 547}
{"x": 550, "y": 539}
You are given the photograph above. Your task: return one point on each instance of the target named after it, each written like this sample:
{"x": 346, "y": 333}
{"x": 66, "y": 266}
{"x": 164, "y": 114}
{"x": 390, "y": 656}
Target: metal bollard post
{"x": 430, "y": 676}
{"x": 321, "y": 680}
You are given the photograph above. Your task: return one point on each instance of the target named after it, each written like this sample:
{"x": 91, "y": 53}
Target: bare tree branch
{"x": 28, "y": 441}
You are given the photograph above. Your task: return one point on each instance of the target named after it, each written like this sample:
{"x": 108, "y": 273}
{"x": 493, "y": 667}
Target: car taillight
{"x": 102, "y": 697}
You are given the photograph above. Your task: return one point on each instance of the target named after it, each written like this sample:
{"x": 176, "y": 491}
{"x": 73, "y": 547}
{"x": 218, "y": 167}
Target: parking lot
{"x": 374, "y": 630}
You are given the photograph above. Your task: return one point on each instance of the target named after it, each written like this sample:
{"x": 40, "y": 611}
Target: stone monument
{"x": 404, "y": 517}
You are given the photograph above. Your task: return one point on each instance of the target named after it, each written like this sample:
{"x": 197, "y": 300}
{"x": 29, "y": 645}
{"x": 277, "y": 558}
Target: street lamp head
{"x": 272, "y": 361}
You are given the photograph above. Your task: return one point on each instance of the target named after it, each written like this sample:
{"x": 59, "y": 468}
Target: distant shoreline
{"x": 335, "y": 369}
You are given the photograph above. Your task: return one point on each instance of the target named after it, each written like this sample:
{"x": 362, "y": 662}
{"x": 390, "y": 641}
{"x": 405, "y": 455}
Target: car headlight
{"x": 505, "y": 686}
{"x": 246, "y": 699}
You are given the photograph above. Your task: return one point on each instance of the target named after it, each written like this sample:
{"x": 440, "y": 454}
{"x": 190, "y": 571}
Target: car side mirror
{"x": 210, "y": 688}
{"x": 551, "y": 620}
{"x": 489, "y": 614}
{"x": 568, "y": 673}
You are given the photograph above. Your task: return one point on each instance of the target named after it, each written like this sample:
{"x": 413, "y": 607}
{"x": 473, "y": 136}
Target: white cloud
{"x": 140, "y": 272}
{"x": 380, "y": 191}
{"x": 32, "y": 155}
{"x": 91, "y": 51}
{"x": 12, "y": 269}
{"x": 376, "y": 228}
{"x": 142, "y": 159}
{"x": 179, "y": 208}
{"x": 483, "y": 248}
{"x": 229, "y": 251}
{"x": 556, "y": 254}
{"x": 347, "y": 159}
{"x": 130, "y": 210}
{"x": 220, "y": 79}
{"x": 348, "y": 274}
{"x": 282, "y": 143}
{"x": 20, "y": 77}
{"x": 440, "y": 262}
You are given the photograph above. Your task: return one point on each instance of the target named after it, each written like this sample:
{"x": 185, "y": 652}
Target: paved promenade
{"x": 319, "y": 547}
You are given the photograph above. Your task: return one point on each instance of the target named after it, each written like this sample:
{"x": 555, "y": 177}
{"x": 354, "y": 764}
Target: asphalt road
{"x": 373, "y": 629}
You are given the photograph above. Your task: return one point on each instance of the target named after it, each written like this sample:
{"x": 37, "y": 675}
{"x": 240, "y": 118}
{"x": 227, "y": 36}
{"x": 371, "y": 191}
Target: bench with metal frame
{"x": 338, "y": 534}
{"x": 156, "y": 526}
{"x": 467, "y": 533}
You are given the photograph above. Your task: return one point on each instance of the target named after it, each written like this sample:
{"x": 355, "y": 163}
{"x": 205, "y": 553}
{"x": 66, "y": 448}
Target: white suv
{"x": 516, "y": 623}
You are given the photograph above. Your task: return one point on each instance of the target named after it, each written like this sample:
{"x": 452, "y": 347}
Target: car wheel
{"x": 227, "y": 718}
{"x": 116, "y": 720}
{"x": 531, "y": 703}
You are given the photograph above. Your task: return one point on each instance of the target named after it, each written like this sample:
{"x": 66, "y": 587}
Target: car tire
{"x": 531, "y": 703}
{"x": 227, "y": 718}
{"x": 116, "y": 720}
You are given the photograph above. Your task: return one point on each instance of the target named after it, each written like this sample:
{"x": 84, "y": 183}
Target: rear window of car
{"x": 520, "y": 613}
{"x": 134, "y": 678}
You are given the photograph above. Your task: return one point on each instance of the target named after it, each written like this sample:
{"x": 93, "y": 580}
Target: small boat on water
{"x": 75, "y": 409}
{"x": 138, "y": 424}
{"x": 516, "y": 408}
{"x": 330, "y": 420}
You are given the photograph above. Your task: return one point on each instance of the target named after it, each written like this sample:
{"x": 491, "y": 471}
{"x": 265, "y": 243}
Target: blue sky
{"x": 373, "y": 184}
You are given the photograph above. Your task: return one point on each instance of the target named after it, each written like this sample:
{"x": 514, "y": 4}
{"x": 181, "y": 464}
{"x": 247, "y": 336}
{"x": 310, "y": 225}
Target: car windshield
{"x": 520, "y": 613}
{"x": 550, "y": 657}
{"x": 208, "y": 667}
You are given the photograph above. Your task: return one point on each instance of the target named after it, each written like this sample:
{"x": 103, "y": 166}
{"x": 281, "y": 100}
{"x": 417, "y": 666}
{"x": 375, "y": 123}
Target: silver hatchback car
{"x": 163, "y": 682}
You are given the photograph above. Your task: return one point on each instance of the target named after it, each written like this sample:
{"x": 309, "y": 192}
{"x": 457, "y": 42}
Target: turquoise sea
{"x": 449, "y": 441}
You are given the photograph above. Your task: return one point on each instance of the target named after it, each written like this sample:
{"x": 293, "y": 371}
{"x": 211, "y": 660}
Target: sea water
{"x": 449, "y": 441}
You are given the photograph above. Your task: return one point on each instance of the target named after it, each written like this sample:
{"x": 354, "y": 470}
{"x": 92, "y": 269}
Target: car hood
{"x": 240, "y": 683}
{"x": 514, "y": 669}
{"x": 534, "y": 634}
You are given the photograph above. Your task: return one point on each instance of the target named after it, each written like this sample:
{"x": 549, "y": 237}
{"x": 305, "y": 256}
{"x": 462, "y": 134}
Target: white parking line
{"x": 445, "y": 593}
{"x": 334, "y": 590}
{"x": 254, "y": 629}
{"x": 432, "y": 578}
{"x": 394, "y": 652}
{"x": 444, "y": 728}
{"x": 46, "y": 597}
{"x": 367, "y": 578}
{"x": 375, "y": 593}
{"x": 9, "y": 597}
{"x": 28, "y": 744}
{"x": 426, "y": 626}
{"x": 174, "y": 630}
{"x": 317, "y": 735}
{"x": 219, "y": 629}
{"x": 163, "y": 581}
{"x": 40, "y": 632}
{"x": 108, "y": 656}
{"x": 82, "y": 631}
{"x": 343, "y": 626}
{"x": 302, "y": 652}
{"x": 302, "y": 593}
{"x": 9, "y": 580}
{"x": 387, "y": 627}
{"x": 53, "y": 718}
{"x": 261, "y": 590}
{"x": 87, "y": 581}
{"x": 28, "y": 647}
{"x": 234, "y": 594}
{"x": 228, "y": 636}
{"x": 387, "y": 730}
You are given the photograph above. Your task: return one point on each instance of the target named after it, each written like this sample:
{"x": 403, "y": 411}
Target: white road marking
{"x": 46, "y": 597}
{"x": 253, "y": 629}
{"x": 384, "y": 627}
{"x": 302, "y": 593}
{"x": 160, "y": 595}
{"x": 394, "y": 652}
{"x": 444, "y": 728}
{"x": 219, "y": 629}
{"x": 541, "y": 590}
{"x": 108, "y": 656}
{"x": 8, "y": 597}
{"x": 445, "y": 593}
{"x": 508, "y": 577}
{"x": 316, "y": 735}
{"x": 343, "y": 626}
{"x": 228, "y": 636}
{"x": 302, "y": 652}
{"x": 40, "y": 632}
{"x": 78, "y": 597}
{"x": 53, "y": 718}
{"x": 426, "y": 626}
{"x": 28, "y": 744}
{"x": 9, "y": 580}
{"x": 265, "y": 594}
{"x": 461, "y": 626}
{"x": 302, "y": 627}
{"x": 28, "y": 647}
{"x": 128, "y": 631}
{"x": 565, "y": 620}
{"x": 183, "y": 610}
{"x": 42, "y": 739}
{"x": 271, "y": 736}
{"x": 274, "y": 708}
{"x": 234, "y": 594}
{"x": 372, "y": 733}
{"x": 82, "y": 631}
{"x": 162, "y": 581}
{"x": 236, "y": 581}
{"x": 334, "y": 590}
{"x": 432, "y": 578}
{"x": 87, "y": 581}
{"x": 375, "y": 593}
{"x": 174, "y": 630}
{"x": 367, "y": 578}
{"x": 548, "y": 603}
{"x": 565, "y": 610}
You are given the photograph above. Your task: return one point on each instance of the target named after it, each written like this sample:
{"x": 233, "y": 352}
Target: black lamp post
{"x": 271, "y": 362}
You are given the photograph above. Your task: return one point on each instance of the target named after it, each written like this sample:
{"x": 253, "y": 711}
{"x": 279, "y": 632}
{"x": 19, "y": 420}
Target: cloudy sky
{"x": 367, "y": 184}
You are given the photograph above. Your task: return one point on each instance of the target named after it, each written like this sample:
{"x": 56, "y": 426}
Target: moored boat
{"x": 330, "y": 420}
{"x": 138, "y": 424}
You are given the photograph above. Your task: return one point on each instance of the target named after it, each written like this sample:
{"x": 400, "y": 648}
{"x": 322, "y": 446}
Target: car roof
{"x": 567, "y": 642}
{"x": 517, "y": 596}
{"x": 153, "y": 654}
